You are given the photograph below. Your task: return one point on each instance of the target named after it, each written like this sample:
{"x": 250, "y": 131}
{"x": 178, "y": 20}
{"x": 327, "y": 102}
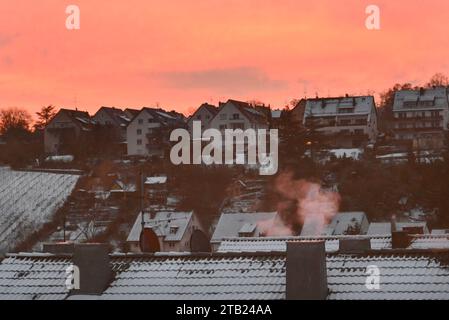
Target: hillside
{"x": 28, "y": 200}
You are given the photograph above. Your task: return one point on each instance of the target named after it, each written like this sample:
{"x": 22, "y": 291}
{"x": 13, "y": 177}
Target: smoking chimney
{"x": 94, "y": 266}
{"x": 306, "y": 271}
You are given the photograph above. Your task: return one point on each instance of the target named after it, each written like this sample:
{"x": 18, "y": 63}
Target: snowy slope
{"x": 28, "y": 200}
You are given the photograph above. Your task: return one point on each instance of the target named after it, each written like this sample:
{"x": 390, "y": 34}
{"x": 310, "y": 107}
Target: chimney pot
{"x": 400, "y": 240}
{"x": 306, "y": 271}
{"x": 94, "y": 266}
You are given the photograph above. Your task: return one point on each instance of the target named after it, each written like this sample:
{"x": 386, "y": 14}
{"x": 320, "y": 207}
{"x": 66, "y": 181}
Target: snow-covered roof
{"x": 420, "y": 275}
{"x": 343, "y": 221}
{"x": 332, "y": 243}
{"x": 339, "y": 106}
{"x": 421, "y": 99}
{"x": 381, "y": 228}
{"x": 162, "y": 224}
{"x": 156, "y": 180}
{"x": 353, "y": 153}
{"x": 230, "y": 224}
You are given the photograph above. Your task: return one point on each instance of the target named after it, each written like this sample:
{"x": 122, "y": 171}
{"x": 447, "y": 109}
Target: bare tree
{"x": 13, "y": 120}
{"x": 438, "y": 80}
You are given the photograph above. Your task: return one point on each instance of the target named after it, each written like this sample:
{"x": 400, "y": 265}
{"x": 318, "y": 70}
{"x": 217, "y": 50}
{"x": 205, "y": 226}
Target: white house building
{"x": 345, "y": 122}
{"x": 231, "y": 225}
{"x": 114, "y": 118}
{"x": 148, "y": 132}
{"x": 173, "y": 231}
{"x": 238, "y": 115}
{"x": 205, "y": 113}
{"x": 421, "y": 117}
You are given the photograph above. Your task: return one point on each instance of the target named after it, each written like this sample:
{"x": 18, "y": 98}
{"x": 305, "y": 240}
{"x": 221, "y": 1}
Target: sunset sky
{"x": 179, "y": 54}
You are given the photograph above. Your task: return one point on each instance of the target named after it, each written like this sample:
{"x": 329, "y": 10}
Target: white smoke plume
{"x": 315, "y": 207}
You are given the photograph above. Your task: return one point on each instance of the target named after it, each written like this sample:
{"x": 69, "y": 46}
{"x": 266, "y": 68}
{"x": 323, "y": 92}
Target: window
{"x": 358, "y": 131}
{"x": 173, "y": 229}
{"x": 139, "y": 142}
{"x": 139, "y": 131}
{"x": 223, "y": 116}
{"x": 198, "y": 117}
{"x": 140, "y": 121}
{"x": 235, "y": 116}
{"x": 435, "y": 114}
{"x": 171, "y": 244}
{"x": 238, "y": 126}
{"x": 345, "y": 122}
{"x": 402, "y": 115}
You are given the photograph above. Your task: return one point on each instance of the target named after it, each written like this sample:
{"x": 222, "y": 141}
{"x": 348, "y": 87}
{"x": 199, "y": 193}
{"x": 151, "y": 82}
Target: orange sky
{"x": 180, "y": 54}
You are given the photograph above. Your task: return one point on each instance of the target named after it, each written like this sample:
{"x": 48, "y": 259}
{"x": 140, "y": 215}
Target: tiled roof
{"x": 403, "y": 275}
{"x": 331, "y": 242}
{"x": 33, "y": 277}
{"x": 196, "y": 277}
{"x": 411, "y": 276}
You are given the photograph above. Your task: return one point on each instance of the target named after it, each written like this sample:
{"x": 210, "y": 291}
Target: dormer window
{"x": 174, "y": 229}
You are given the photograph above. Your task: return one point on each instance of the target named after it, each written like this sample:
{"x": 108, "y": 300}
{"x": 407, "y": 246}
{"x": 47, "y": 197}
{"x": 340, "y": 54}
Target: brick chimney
{"x": 306, "y": 273}
{"x": 94, "y": 266}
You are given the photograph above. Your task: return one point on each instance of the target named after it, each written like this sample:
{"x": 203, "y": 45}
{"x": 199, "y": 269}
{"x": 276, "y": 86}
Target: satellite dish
{"x": 199, "y": 242}
{"x": 149, "y": 242}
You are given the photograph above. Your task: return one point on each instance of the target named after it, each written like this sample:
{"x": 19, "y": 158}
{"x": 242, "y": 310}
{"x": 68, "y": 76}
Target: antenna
{"x": 141, "y": 199}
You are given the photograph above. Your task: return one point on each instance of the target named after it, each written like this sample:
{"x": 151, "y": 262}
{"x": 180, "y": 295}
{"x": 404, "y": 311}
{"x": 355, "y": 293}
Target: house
{"x": 63, "y": 131}
{"x": 421, "y": 118}
{"x": 156, "y": 189}
{"x": 241, "y": 225}
{"x": 204, "y": 113}
{"x": 131, "y": 113}
{"x": 343, "y": 223}
{"x": 303, "y": 270}
{"x": 297, "y": 113}
{"x": 380, "y": 228}
{"x": 343, "y": 122}
{"x": 238, "y": 115}
{"x": 114, "y": 118}
{"x": 169, "y": 231}
{"x": 348, "y": 223}
{"x": 149, "y": 131}
{"x": 275, "y": 119}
